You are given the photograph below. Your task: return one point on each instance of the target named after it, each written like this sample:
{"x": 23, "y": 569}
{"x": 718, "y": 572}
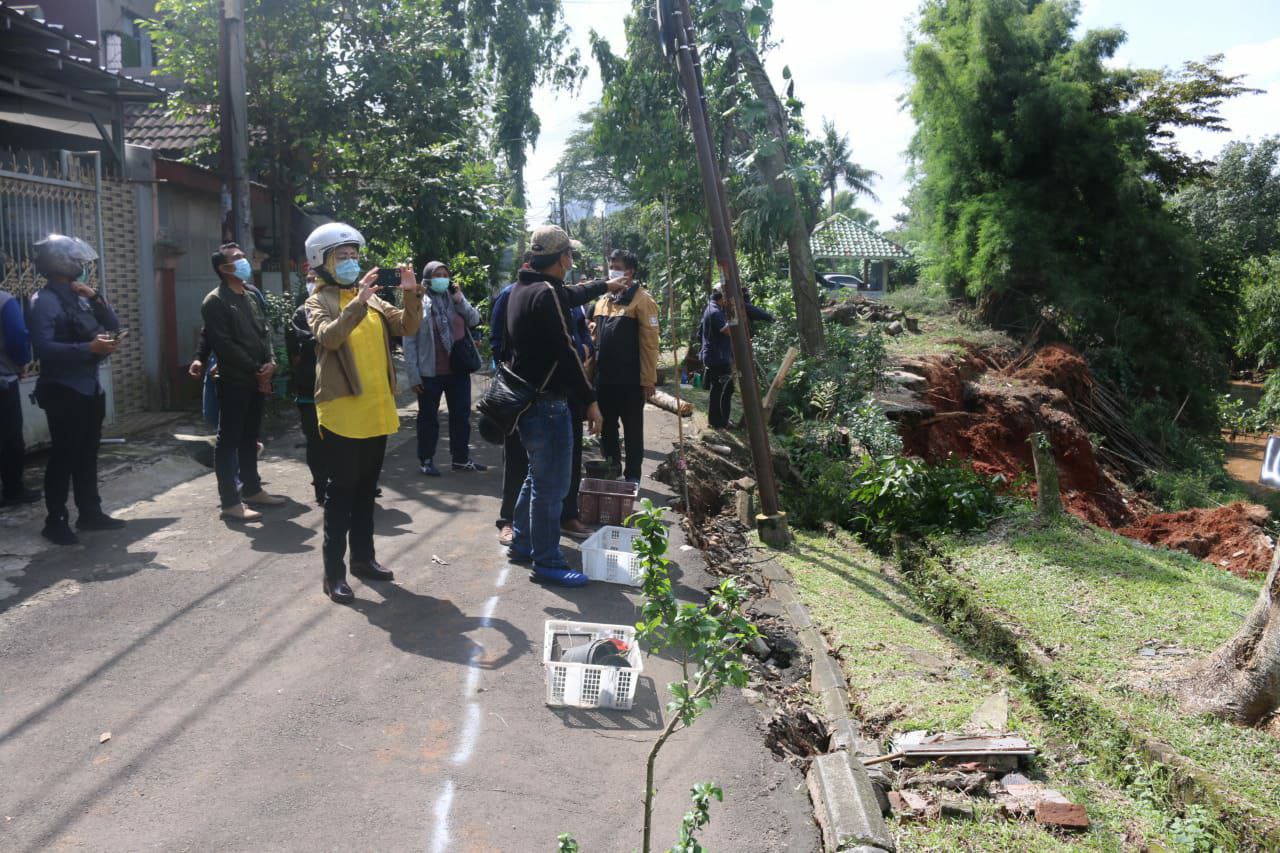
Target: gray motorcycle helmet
{"x": 61, "y": 255}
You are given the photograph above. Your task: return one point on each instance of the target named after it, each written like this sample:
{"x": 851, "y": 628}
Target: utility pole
{"x": 564, "y": 223}
{"x": 234, "y": 121}
{"x": 676, "y": 24}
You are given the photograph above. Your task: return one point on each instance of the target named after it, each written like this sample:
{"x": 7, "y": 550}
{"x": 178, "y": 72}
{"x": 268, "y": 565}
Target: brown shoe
{"x": 505, "y": 535}
{"x": 264, "y": 499}
{"x": 240, "y": 512}
{"x": 575, "y": 529}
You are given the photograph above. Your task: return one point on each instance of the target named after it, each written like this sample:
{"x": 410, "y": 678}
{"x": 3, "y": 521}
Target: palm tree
{"x": 835, "y": 164}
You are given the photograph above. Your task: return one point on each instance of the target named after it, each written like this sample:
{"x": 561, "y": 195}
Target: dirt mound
{"x": 1061, "y": 367}
{"x": 987, "y": 419}
{"x": 1231, "y": 536}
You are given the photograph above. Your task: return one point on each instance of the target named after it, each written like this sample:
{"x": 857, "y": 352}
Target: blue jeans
{"x": 456, "y": 390}
{"x": 546, "y": 432}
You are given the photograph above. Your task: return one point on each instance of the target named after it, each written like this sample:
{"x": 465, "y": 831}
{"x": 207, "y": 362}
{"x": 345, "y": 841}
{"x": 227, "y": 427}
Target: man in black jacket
{"x": 240, "y": 336}
{"x": 543, "y": 353}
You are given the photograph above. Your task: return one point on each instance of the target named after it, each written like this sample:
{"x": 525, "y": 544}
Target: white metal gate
{"x": 43, "y": 193}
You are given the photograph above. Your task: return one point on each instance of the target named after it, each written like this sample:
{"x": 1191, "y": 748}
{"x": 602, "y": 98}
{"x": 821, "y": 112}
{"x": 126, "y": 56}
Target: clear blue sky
{"x": 847, "y": 57}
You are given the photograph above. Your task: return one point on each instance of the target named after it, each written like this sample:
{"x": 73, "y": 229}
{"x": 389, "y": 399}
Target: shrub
{"x": 894, "y": 494}
{"x": 920, "y": 300}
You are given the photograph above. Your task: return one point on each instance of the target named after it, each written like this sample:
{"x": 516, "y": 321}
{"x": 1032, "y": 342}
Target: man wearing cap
{"x": 544, "y": 354}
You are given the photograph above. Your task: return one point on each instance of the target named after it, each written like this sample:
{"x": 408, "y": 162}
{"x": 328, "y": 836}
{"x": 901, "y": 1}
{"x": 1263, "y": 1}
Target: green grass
{"x": 942, "y": 327}
{"x": 1093, "y": 599}
{"x": 905, "y": 673}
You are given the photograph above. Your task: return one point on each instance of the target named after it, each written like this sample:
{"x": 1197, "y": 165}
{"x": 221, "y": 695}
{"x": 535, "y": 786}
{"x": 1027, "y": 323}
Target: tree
{"x": 1241, "y": 680}
{"x": 373, "y": 112}
{"x": 1233, "y": 211}
{"x": 836, "y": 165}
{"x": 1038, "y": 195}
{"x": 772, "y": 156}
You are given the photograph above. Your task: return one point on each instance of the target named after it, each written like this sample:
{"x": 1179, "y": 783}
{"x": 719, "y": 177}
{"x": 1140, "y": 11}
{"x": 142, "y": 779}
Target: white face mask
{"x": 311, "y": 288}
{"x": 614, "y": 275}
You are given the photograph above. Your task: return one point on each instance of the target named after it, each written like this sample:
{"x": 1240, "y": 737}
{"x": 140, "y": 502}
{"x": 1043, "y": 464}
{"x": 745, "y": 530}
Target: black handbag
{"x": 505, "y": 401}
{"x": 463, "y": 355}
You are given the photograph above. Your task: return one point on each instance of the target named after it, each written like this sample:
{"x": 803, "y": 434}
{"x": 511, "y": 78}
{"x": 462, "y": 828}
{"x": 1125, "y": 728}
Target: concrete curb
{"x": 849, "y": 800}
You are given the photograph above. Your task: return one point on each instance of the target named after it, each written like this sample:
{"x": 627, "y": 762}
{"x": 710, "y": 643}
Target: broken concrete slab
{"x": 845, "y": 804}
{"x": 992, "y": 715}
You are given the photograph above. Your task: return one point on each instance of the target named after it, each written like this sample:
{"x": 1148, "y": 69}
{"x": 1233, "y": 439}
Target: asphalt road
{"x": 247, "y": 712}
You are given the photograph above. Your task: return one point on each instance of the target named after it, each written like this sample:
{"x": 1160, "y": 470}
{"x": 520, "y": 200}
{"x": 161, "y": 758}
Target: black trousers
{"x": 315, "y": 452}
{"x": 354, "y": 465}
{"x": 718, "y": 379}
{"x": 623, "y": 403}
{"x": 12, "y": 449}
{"x": 515, "y": 468}
{"x": 236, "y": 453}
{"x": 75, "y": 430}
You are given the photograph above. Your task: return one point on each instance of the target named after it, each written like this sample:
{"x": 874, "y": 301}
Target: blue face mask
{"x": 242, "y": 270}
{"x": 84, "y": 274}
{"x": 439, "y": 285}
{"x": 346, "y": 272}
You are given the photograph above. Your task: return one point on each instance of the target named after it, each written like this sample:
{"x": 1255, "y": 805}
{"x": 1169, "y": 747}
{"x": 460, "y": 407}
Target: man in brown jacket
{"x": 626, "y": 333}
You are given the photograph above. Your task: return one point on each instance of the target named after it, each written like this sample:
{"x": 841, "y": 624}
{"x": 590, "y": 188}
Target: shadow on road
{"x": 103, "y": 556}
{"x": 645, "y": 714}
{"x": 277, "y": 533}
{"x": 436, "y": 628}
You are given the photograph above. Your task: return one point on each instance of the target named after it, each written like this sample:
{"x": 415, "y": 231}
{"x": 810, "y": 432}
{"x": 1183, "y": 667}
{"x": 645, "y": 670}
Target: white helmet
{"x": 331, "y": 235}
{"x": 58, "y": 254}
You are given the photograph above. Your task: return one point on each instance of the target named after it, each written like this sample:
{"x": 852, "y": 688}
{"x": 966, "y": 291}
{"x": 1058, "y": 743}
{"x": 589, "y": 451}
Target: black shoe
{"x": 339, "y": 591}
{"x": 101, "y": 521}
{"x": 371, "y": 571}
{"x": 59, "y": 533}
{"x": 26, "y": 496}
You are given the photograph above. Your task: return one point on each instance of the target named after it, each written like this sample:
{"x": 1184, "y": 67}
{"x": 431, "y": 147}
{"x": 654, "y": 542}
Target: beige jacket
{"x": 336, "y": 374}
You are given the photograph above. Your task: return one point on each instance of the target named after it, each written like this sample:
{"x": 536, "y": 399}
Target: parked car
{"x": 833, "y": 281}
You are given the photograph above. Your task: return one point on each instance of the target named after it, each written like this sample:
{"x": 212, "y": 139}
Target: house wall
{"x": 121, "y": 254}
{"x": 192, "y": 220}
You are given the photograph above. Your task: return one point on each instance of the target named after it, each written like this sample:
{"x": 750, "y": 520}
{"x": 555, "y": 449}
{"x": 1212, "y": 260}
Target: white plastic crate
{"x": 607, "y": 556}
{"x": 584, "y": 685}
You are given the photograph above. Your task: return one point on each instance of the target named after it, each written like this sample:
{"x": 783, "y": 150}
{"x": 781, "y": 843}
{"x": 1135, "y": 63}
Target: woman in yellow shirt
{"x": 355, "y": 394}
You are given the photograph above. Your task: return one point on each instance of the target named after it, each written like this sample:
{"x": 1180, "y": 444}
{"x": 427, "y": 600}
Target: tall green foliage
{"x": 381, "y": 113}
{"x": 1234, "y": 213}
{"x": 1040, "y": 176}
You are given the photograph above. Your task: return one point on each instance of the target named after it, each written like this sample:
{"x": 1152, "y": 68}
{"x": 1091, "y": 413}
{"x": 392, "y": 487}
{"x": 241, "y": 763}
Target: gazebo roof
{"x": 841, "y": 237}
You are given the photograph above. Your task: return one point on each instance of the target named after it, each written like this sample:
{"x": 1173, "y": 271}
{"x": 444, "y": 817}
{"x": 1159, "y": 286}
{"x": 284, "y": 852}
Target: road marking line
{"x": 440, "y": 837}
{"x": 470, "y": 733}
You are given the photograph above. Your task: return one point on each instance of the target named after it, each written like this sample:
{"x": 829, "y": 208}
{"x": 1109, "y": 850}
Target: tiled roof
{"x": 153, "y": 127}
{"x": 841, "y": 237}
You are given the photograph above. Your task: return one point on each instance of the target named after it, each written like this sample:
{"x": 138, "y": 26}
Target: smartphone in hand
{"x": 388, "y": 277}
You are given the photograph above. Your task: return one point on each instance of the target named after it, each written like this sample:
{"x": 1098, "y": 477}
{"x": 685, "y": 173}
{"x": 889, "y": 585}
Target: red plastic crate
{"x": 606, "y": 501}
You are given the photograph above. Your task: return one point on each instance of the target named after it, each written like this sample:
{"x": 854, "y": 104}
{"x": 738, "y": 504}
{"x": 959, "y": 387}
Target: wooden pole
{"x": 775, "y": 387}
{"x": 772, "y": 523}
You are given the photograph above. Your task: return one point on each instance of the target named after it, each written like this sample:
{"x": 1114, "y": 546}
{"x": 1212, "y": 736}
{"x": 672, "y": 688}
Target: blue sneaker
{"x": 563, "y": 577}
{"x": 429, "y": 468}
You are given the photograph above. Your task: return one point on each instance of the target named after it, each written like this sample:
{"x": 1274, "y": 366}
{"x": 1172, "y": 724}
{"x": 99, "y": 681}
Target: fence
{"x": 43, "y": 193}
